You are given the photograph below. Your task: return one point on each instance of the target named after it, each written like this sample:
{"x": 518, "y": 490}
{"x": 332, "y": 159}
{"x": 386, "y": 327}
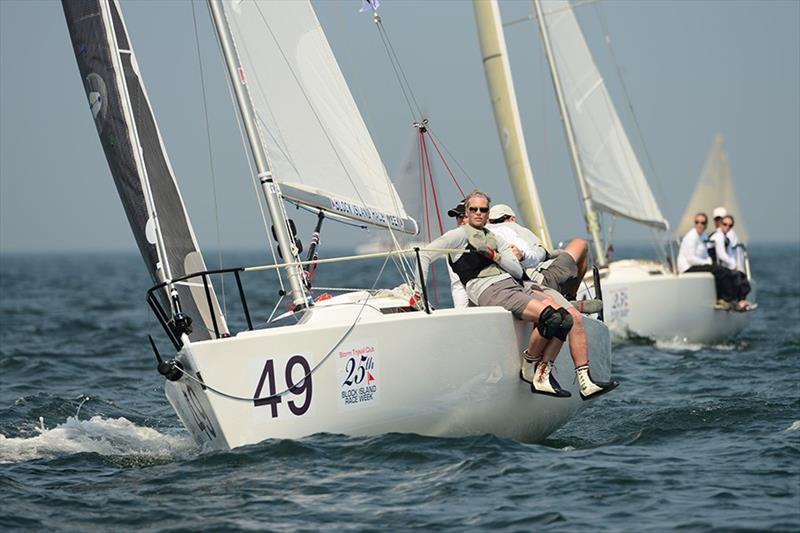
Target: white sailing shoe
{"x": 528, "y": 369}
{"x": 545, "y": 383}
{"x": 589, "y": 387}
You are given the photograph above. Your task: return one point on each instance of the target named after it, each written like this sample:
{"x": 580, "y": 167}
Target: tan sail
{"x": 714, "y": 189}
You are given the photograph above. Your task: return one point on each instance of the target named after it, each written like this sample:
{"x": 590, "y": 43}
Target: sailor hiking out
{"x": 492, "y": 276}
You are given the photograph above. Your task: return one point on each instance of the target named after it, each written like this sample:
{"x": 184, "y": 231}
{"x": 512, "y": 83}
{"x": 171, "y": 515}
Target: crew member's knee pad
{"x": 566, "y": 324}
{"x": 554, "y": 323}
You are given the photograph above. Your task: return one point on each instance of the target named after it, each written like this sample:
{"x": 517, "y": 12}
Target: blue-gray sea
{"x": 698, "y": 438}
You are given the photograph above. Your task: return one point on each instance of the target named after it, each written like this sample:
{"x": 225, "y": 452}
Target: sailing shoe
{"x": 545, "y": 383}
{"x": 528, "y": 370}
{"x": 589, "y": 387}
{"x": 588, "y": 307}
{"x": 722, "y": 305}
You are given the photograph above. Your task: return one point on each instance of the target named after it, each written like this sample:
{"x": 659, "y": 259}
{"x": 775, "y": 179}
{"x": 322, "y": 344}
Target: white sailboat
{"x": 642, "y": 298}
{"x": 361, "y": 363}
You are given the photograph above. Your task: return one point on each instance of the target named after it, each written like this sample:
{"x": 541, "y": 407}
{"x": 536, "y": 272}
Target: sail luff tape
{"x": 265, "y": 177}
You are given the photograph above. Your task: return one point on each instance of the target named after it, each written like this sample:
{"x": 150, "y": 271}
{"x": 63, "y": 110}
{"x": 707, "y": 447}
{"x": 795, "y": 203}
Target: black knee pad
{"x": 552, "y": 323}
{"x": 566, "y": 324}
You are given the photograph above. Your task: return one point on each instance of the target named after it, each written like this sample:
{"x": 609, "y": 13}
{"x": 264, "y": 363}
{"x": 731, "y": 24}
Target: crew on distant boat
{"x": 693, "y": 257}
{"x": 457, "y": 290}
{"x": 725, "y": 258}
{"x": 736, "y": 246}
{"x": 561, "y": 270}
{"x": 491, "y": 274}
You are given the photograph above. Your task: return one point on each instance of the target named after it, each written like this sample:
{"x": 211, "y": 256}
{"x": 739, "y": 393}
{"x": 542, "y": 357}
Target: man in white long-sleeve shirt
{"x": 693, "y": 257}
{"x": 490, "y": 273}
{"x": 561, "y": 271}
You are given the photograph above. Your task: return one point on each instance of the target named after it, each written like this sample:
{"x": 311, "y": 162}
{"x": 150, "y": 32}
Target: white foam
{"x": 682, "y": 345}
{"x": 795, "y": 426}
{"x": 105, "y": 436}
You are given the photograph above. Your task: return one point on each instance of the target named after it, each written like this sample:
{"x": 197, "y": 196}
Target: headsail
{"x": 319, "y": 149}
{"x": 614, "y": 177}
{"x": 135, "y": 153}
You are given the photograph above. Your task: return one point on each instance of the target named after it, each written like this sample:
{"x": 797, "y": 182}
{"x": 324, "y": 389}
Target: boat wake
{"x": 100, "y": 435}
{"x": 795, "y": 426}
{"x": 680, "y": 345}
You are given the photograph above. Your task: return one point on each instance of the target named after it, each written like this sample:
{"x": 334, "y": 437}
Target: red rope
{"x": 444, "y": 162}
{"x": 433, "y": 190}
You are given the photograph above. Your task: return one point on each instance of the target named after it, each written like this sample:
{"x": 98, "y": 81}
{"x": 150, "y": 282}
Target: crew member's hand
{"x": 517, "y": 252}
{"x": 487, "y": 251}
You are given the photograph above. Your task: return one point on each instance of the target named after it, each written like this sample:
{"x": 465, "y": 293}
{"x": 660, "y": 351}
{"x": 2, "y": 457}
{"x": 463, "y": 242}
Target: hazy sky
{"x": 692, "y": 69}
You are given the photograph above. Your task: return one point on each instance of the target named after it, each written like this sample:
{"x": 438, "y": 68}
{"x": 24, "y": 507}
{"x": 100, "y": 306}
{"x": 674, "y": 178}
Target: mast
{"x": 504, "y": 103}
{"x": 592, "y": 225}
{"x": 269, "y": 186}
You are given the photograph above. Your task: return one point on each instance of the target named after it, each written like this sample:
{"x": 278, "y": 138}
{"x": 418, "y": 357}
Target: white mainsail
{"x": 714, "y": 189}
{"x": 614, "y": 177}
{"x": 320, "y": 151}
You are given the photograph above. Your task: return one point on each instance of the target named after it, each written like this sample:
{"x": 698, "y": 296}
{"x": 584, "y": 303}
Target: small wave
{"x": 795, "y": 426}
{"x": 104, "y": 436}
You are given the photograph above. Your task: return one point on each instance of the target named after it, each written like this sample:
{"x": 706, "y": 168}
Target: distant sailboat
{"x": 361, "y": 363}
{"x": 642, "y": 298}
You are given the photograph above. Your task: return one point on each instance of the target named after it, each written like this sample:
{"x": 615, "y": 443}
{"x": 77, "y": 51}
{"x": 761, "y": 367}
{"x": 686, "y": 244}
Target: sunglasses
{"x": 476, "y": 209}
{"x": 727, "y": 225}
{"x": 702, "y": 222}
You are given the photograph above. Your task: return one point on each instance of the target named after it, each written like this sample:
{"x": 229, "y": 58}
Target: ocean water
{"x": 701, "y": 438}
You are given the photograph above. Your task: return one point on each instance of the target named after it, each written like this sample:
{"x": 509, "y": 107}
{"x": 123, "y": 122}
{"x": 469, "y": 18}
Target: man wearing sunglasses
{"x": 491, "y": 275}
{"x": 693, "y": 257}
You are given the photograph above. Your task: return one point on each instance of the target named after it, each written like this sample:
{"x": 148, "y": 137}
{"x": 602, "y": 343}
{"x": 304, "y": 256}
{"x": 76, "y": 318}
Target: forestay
{"x": 615, "y": 180}
{"x": 135, "y": 153}
{"x": 318, "y": 146}
{"x": 714, "y": 189}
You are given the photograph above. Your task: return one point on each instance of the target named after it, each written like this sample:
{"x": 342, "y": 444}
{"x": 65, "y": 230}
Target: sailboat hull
{"x": 450, "y": 373}
{"x": 643, "y": 299}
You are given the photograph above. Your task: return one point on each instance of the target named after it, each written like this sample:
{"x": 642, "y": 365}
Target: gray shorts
{"x": 509, "y": 295}
{"x": 562, "y": 271}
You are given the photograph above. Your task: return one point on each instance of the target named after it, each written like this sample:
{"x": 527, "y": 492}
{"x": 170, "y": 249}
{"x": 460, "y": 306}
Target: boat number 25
{"x": 302, "y": 387}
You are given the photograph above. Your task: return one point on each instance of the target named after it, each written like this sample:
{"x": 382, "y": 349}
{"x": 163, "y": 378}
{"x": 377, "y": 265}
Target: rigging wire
{"x": 210, "y": 155}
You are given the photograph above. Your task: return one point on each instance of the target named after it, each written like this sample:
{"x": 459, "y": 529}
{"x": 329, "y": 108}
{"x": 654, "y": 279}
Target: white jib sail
{"x": 714, "y": 189}
{"x": 614, "y": 176}
{"x": 319, "y": 148}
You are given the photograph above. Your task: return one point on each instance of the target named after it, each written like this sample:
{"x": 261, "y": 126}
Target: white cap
{"x": 500, "y": 211}
{"x": 720, "y": 212}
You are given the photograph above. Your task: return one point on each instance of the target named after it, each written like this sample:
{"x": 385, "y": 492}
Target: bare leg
{"x": 578, "y": 344}
{"x": 579, "y": 250}
{"x": 547, "y": 349}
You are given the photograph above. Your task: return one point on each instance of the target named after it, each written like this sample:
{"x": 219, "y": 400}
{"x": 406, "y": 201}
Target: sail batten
{"x": 614, "y": 178}
{"x": 319, "y": 149}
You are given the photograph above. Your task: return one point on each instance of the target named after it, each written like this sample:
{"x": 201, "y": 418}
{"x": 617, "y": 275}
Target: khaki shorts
{"x": 563, "y": 270}
{"x": 509, "y": 295}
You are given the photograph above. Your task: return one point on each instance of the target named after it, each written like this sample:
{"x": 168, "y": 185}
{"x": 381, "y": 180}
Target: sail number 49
{"x": 302, "y": 387}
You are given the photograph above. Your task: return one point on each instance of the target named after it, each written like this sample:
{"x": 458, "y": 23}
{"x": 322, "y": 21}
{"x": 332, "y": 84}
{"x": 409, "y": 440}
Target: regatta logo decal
{"x": 293, "y": 383}
{"x": 357, "y": 372}
{"x": 620, "y": 303}
{"x": 354, "y": 210}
